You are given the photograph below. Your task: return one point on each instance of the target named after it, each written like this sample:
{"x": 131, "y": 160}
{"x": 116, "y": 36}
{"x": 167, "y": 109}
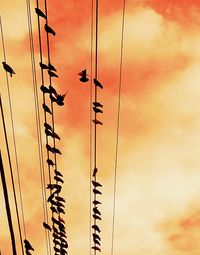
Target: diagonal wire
{"x": 118, "y": 126}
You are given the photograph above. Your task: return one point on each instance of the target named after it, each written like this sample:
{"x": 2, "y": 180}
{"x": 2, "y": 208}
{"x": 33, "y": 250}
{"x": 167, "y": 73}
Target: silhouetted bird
{"x": 50, "y": 197}
{"x": 96, "y": 241}
{"x": 46, "y": 108}
{"x": 63, "y": 240}
{"x": 49, "y": 148}
{"x": 53, "y": 99}
{"x": 97, "y": 104}
{"x": 54, "y": 220}
{"x": 97, "y": 110}
{"x": 61, "y": 199}
{"x": 55, "y": 135}
{"x": 95, "y": 236}
{"x": 55, "y": 150}
{"x": 52, "y": 90}
{"x": 60, "y": 210}
{"x": 40, "y": 13}
{"x": 55, "y": 230}
{"x": 98, "y": 84}
{"x": 52, "y": 68}
{"x": 63, "y": 234}
{"x": 64, "y": 245}
{"x": 95, "y": 202}
{"x": 28, "y": 252}
{"x": 43, "y": 66}
{"x": 95, "y": 171}
{"x": 58, "y": 179}
{"x": 52, "y": 74}
{"x": 56, "y": 242}
{"x": 60, "y": 99}
{"x": 95, "y": 191}
{"x": 55, "y": 236}
{"x": 96, "y": 248}
{"x": 45, "y": 225}
{"x": 59, "y": 204}
{"x": 48, "y": 29}
{"x": 46, "y": 125}
{"x": 61, "y": 219}
{"x": 8, "y": 69}
{"x": 97, "y": 122}
{"x": 58, "y": 173}
{"x": 61, "y": 227}
{"x": 83, "y": 75}
{"x": 53, "y": 209}
{"x": 53, "y": 186}
{"x": 96, "y": 184}
{"x": 50, "y": 162}
{"x": 48, "y": 132}
{"x": 95, "y": 227}
{"x": 28, "y": 246}
{"x": 63, "y": 251}
{"x": 96, "y": 211}
{"x": 96, "y": 217}
{"x": 44, "y": 89}
{"x": 56, "y": 249}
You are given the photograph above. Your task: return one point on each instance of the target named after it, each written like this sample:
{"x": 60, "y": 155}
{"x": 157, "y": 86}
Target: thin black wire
{"x": 15, "y": 151}
{"x": 118, "y": 126}
{"x": 37, "y": 113}
{"x": 90, "y": 146}
{"x": 3, "y": 179}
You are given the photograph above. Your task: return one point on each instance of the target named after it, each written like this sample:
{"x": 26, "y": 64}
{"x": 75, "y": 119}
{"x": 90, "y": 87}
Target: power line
{"x": 118, "y": 126}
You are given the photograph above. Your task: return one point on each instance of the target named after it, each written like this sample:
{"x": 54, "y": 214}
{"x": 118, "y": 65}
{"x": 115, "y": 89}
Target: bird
{"x": 60, "y": 99}
{"x": 53, "y": 99}
{"x": 96, "y": 228}
{"x": 58, "y": 179}
{"x": 63, "y": 251}
{"x": 96, "y": 122}
{"x": 97, "y": 104}
{"x": 44, "y": 89}
{"x": 61, "y": 219}
{"x": 46, "y": 125}
{"x": 8, "y": 69}
{"x": 96, "y": 211}
{"x": 56, "y": 249}
{"x": 96, "y": 217}
{"x": 96, "y": 184}
{"x": 60, "y": 210}
{"x": 45, "y": 225}
{"x": 95, "y": 191}
{"x": 49, "y": 148}
{"x": 64, "y": 245}
{"x": 97, "y": 110}
{"x": 98, "y": 84}
{"x": 63, "y": 234}
{"x": 55, "y": 150}
{"x": 96, "y": 241}
{"x": 53, "y": 209}
{"x": 28, "y": 252}
{"x": 95, "y": 236}
{"x": 50, "y": 197}
{"x": 52, "y": 90}
{"x": 56, "y": 242}
{"x": 48, "y": 29}
{"x": 96, "y": 248}
{"x": 56, "y": 136}
{"x": 46, "y": 108}
{"x": 54, "y": 220}
{"x": 48, "y": 132}
{"x": 50, "y": 162}
{"x": 28, "y": 246}
{"x": 60, "y": 199}
{"x": 58, "y": 173}
{"x": 40, "y": 13}
{"x": 52, "y": 68}
{"x": 52, "y": 74}
{"x": 61, "y": 227}
{"x": 95, "y": 171}
{"x": 83, "y": 75}
{"x": 43, "y": 66}
{"x": 59, "y": 204}
{"x": 95, "y": 202}
{"x": 55, "y": 236}
{"x": 53, "y": 186}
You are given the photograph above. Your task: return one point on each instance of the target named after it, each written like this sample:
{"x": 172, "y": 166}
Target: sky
{"x": 158, "y": 174}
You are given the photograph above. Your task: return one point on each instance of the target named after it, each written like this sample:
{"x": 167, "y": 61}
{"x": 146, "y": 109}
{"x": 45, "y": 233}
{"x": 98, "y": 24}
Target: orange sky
{"x": 158, "y": 187}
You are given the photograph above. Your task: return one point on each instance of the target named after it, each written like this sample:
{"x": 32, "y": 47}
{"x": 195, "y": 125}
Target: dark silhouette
{"x": 8, "y": 69}
{"x": 40, "y": 13}
{"x": 60, "y": 99}
{"x": 64, "y": 245}
{"x": 50, "y": 162}
{"x": 49, "y": 148}
{"x": 55, "y": 150}
{"x": 95, "y": 202}
{"x": 58, "y": 179}
{"x": 56, "y": 249}
{"x": 55, "y": 236}
{"x": 54, "y": 220}
{"x": 46, "y": 108}
{"x": 96, "y": 184}
{"x": 63, "y": 251}
{"x": 96, "y": 217}
{"x": 56, "y": 242}
{"x": 97, "y": 104}
{"x": 53, "y": 209}
{"x": 53, "y": 186}
{"x": 49, "y": 30}
{"x": 95, "y": 191}
{"x": 28, "y": 246}
{"x": 95, "y": 236}
{"x": 46, "y": 125}
{"x": 83, "y": 75}
{"x": 53, "y": 99}
{"x": 52, "y": 68}
{"x": 52, "y": 74}
{"x": 97, "y": 110}
{"x": 96, "y": 211}
{"x": 43, "y": 66}
{"x": 60, "y": 210}
{"x": 95, "y": 171}
{"x": 45, "y": 225}
{"x": 58, "y": 173}
{"x": 61, "y": 199}
{"x": 98, "y": 84}
{"x": 96, "y": 248}
{"x": 97, "y": 122}
{"x": 59, "y": 204}
{"x": 96, "y": 241}
{"x": 44, "y": 89}
{"x": 52, "y": 90}
{"x": 50, "y": 197}
{"x": 95, "y": 227}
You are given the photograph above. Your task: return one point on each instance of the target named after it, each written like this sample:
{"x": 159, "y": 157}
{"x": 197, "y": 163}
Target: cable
{"x": 15, "y": 150}
{"x": 118, "y": 125}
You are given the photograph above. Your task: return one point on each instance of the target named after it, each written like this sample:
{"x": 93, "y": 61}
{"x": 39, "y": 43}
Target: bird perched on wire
{"x": 45, "y": 225}
{"x": 50, "y": 162}
{"x": 8, "y": 69}
{"x": 55, "y": 150}
{"x": 96, "y": 211}
{"x": 83, "y": 75}
{"x": 96, "y": 248}
{"x": 97, "y": 110}
{"x": 43, "y": 66}
{"x": 40, "y": 13}
{"x": 58, "y": 173}
{"x": 28, "y": 246}
{"x": 97, "y": 104}
{"x": 96, "y": 202}
{"x": 96, "y": 228}
{"x": 96, "y": 217}
{"x": 44, "y": 89}
{"x": 98, "y": 84}
{"x": 96, "y": 184}
{"x": 49, "y": 30}
{"x": 95, "y": 191}
{"x": 97, "y": 122}
{"x": 46, "y": 108}
{"x": 52, "y": 74}
{"x": 95, "y": 171}
{"x": 52, "y": 68}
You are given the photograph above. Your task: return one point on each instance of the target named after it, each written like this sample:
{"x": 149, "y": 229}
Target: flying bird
{"x": 97, "y": 104}
{"x": 96, "y": 217}
{"x": 8, "y": 69}
{"x": 40, "y": 13}
{"x": 98, "y": 84}
{"x": 97, "y": 110}
{"x": 28, "y": 246}
{"x": 45, "y": 225}
{"x": 83, "y": 75}
{"x": 49, "y": 30}
{"x": 97, "y": 122}
{"x": 46, "y": 108}
{"x": 96, "y": 228}
{"x": 95, "y": 191}
{"x": 96, "y": 184}
{"x": 96, "y": 211}
{"x": 52, "y": 74}
{"x": 44, "y": 89}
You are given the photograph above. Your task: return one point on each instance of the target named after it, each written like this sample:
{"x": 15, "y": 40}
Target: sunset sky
{"x": 158, "y": 175}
